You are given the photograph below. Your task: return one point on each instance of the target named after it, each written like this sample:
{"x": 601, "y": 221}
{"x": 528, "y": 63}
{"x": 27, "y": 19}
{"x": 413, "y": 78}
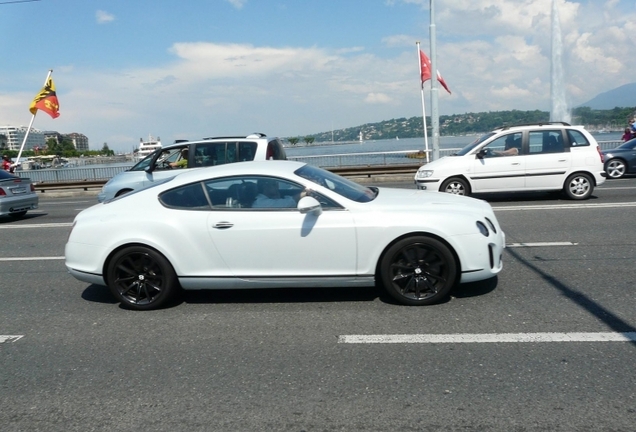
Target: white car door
{"x": 270, "y": 241}
{"x": 547, "y": 163}
{"x": 501, "y": 168}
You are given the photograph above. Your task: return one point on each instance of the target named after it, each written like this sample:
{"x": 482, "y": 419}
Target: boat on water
{"x": 147, "y": 147}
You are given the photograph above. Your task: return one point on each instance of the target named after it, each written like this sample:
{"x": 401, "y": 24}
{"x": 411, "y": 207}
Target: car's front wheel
{"x": 418, "y": 270}
{"x": 456, "y": 186}
{"x": 141, "y": 278}
{"x": 579, "y": 186}
{"x": 615, "y": 168}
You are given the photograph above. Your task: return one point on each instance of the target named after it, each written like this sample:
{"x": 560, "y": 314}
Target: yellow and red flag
{"x": 46, "y": 100}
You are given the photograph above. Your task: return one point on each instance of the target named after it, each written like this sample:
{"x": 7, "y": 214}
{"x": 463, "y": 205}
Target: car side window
{"x": 188, "y": 197}
{"x": 258, "y": 193}
{"x": 545, "y": 141}
{"x": 577, "y": 139}
{"x": 505, "y": 145}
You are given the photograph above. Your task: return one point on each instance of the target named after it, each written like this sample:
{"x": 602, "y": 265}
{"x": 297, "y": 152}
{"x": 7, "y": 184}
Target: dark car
{"x": 621, "y": 160}
{"x": 17, "y": 195}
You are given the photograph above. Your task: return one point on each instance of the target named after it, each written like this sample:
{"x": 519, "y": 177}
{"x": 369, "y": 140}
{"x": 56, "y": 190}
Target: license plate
{"x": 17, "y": 191}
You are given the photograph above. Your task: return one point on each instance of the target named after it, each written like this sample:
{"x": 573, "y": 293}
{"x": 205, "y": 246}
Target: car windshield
{"x": 337, "y": 184}
{"x": 628, "y": 144}
{"x": 473, "y": 144}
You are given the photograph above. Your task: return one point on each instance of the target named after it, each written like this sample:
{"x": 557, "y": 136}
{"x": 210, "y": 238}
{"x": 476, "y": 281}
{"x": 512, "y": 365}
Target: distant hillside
{"x": 473, "y": 123}
{"x": 623, "y": 96}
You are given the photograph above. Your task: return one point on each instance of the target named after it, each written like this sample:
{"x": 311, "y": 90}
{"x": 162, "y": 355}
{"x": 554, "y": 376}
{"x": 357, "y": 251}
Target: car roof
{"x": 269, "y": 167}
{"x": 251, "y": 137}
{"x": 526, "y": 126}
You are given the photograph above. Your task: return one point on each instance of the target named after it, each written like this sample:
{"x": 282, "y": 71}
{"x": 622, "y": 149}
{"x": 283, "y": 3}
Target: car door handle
{"x": 516, "y": 163}
{"x": 223, "y": 225}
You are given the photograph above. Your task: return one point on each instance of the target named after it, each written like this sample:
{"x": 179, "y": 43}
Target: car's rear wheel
{"x": 141, "y": 278}
{"x": 579, "y": 186}
{"x": 418, "y": 270}
{"x": 615, "y": 168}
{"x": 456, "y": 186}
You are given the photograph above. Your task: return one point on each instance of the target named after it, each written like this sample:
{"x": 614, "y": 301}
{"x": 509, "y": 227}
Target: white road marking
{"x": 489, "y": 338}
{"x": 540, "y": 244}
{"x": 49, "y": 225}
{"x": 10, "y": 338}
{"x": 32, "y": 258}
{"x": 564, "y": 206}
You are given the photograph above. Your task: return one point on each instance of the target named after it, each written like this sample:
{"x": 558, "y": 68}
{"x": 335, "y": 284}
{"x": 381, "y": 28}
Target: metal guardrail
{"x": 345, "y": 164}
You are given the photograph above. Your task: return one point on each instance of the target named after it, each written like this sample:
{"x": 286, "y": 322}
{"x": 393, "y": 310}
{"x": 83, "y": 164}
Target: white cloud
{"x": 103, "y": 17}
{"x": 238, "y": 4}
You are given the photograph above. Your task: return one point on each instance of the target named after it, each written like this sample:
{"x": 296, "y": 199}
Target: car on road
{"x": 552, "y": 156}
{"x": 17, "y": 195}
{"x": 621, "y": 160}
{"x": 268, "y": 224}
{"x": 160, "y": 164}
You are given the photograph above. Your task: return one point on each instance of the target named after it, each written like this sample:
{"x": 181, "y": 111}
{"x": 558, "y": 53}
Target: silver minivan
{"x": 552, "y": 156}
{"x": 172, "y": 160}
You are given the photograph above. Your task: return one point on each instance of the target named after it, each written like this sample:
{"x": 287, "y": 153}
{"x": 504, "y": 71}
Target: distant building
{"x": 3, "y": 142}
{"x": 15, "y": 135}
{"x": 80, "y": 141}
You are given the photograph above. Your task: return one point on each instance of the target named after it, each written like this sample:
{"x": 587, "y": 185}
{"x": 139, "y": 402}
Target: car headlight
{"x": 482, "y": 228}
{"x": 421, "y": 174}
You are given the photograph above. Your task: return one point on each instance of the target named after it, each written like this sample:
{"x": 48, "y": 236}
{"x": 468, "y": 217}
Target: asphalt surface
{"x": 273, "y": 359}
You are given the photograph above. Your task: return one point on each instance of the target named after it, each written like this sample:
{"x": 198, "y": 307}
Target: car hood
{"x": 408, "y": 198}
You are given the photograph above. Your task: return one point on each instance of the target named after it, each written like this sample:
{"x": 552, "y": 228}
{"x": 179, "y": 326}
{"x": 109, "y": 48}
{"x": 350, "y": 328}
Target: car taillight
{"x": 2, "y": 192}
{"x": 598, "y": 149}
{"x": 32, "y": 187}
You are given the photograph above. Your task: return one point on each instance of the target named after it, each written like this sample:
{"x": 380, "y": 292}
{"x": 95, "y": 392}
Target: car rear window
{"x": 577, "y": 139}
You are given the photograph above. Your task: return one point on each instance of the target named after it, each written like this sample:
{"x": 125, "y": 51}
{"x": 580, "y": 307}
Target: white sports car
{"x": 282, "y": 224}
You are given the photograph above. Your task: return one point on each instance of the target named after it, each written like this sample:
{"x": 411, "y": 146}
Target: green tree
{"x": 293, "y": 141}
{"x": 106, "y": 151}
{"x": 308, "y": 140}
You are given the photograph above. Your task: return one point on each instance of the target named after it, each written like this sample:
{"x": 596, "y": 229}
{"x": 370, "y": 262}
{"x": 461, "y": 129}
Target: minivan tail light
{"x": 598, "y": 149}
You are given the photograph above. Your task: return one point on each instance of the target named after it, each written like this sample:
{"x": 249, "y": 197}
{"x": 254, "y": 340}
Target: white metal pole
{"x": 419, "y": 61}
{"x": 26, "y": 135}
{"x": 434, "y": 108}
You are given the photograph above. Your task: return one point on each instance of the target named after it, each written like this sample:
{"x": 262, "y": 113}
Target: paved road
{"x": 279, "y": 359}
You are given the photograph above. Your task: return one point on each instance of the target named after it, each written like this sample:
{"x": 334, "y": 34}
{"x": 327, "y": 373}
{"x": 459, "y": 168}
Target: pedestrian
{"x": 627, "y": 135}
{"x": 6, "y": 163}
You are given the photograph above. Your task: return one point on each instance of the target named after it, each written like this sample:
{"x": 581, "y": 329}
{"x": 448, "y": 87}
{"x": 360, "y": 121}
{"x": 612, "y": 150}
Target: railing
{"x": 345, "y": 164}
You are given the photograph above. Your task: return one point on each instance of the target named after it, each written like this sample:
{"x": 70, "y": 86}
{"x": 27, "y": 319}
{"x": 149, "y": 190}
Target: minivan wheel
{"x": 615, "y": 168}
{"x": 456, "y": 186}
{"x": 579, "y": 186}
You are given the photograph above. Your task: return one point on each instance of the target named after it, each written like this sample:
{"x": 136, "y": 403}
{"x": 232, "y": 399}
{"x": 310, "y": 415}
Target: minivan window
{"x": 220, "y": 153}
{"x": 577, "y": 139}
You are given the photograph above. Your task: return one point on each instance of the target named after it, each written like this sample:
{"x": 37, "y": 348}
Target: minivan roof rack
{"x": 533, "y": 124}
{"x": 254, "y": 135}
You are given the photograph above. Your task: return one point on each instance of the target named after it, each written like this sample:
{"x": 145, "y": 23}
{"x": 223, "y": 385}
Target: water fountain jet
{"x": 559, "y": 108}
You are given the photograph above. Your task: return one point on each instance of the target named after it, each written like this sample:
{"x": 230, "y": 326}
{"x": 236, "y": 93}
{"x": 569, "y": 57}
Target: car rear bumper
{"x": 17, "y": 204}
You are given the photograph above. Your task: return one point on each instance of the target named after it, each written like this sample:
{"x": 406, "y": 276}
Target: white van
{"x": 549, "y": 156}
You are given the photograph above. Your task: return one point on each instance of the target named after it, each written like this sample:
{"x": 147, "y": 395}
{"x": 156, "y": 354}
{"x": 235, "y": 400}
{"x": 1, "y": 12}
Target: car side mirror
{"x": 309, "y": 205}
{"x": 480, "y": 154}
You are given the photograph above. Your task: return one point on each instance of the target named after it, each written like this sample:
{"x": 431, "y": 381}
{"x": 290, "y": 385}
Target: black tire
{"x": 418, "y": 271}
{"x": 579, "y": 186}
{"x": 141, "y": 278}
{"x": 18, "y": 215}
{"x": 615, "y": 168}
{"x": 122, "y": 192}
{"x": 456, "y": 186}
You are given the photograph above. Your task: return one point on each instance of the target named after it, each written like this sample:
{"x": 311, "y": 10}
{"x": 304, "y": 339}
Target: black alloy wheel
{"x": 141, "y": 278}
{"x": 418, "y": 271}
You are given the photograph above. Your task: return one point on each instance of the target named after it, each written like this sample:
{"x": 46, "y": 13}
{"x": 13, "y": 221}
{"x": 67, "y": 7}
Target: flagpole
{"x": 434, "y": 108}
{"x": 26, "y": 135}
{"x": 419, "y": 61}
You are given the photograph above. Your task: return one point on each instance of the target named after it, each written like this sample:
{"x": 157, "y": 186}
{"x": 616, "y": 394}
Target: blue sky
{"x": 188, "y": 69}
